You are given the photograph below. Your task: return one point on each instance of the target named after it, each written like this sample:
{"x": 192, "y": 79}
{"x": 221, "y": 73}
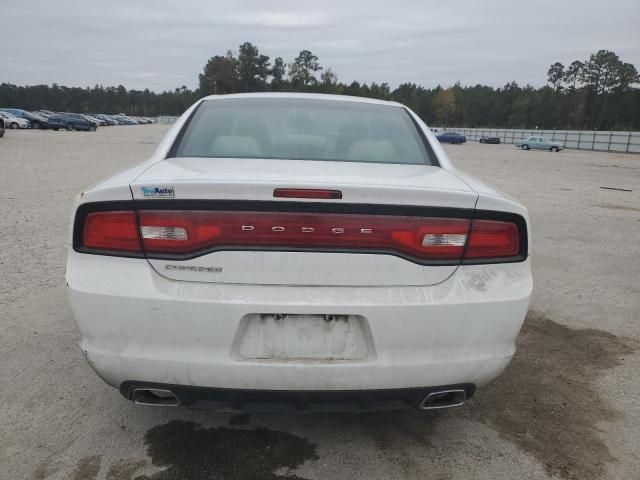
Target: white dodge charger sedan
{"x": 298, "y": 250}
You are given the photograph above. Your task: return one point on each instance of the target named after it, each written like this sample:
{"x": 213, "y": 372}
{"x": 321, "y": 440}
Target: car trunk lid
{"x": 369, "y": 192}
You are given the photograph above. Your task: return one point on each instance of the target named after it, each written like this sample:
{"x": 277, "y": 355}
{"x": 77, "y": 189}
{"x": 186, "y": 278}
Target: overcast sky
{"x": 163, "y": 44}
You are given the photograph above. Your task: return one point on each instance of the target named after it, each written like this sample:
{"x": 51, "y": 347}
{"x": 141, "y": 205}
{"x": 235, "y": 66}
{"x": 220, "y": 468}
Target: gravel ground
{"x": 565, "y": 408}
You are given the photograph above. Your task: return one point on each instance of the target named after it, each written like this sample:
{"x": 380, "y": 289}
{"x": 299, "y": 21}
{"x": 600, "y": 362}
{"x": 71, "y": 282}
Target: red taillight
{"x": 192, "y": 232}
{"x": 307, "y": 193}
{"x": 493, "y": 239}
{"x": 111, "y": 231}
{"x": 189, "y": 231}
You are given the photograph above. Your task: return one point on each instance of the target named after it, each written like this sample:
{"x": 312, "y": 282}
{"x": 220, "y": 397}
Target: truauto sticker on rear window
{"x": 163, "y": 191}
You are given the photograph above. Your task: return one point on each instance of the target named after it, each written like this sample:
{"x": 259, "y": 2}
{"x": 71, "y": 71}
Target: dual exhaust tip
{"x": 156, "y": 397}
{"x": 434, "y": 400}
{"x": 443, "y": 399}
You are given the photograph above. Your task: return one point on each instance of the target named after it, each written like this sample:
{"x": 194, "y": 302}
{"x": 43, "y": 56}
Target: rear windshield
{"x": 302, "y": 129}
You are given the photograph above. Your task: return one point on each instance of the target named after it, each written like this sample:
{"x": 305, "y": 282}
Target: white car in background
{"x": 298, "y": 249}
{"x": 538, "y": 143}
{"x": 14, "y": 122}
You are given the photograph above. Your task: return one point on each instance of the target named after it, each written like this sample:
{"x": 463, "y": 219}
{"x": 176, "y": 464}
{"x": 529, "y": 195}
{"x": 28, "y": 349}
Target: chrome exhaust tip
{"x": 443, "y": 399}
{"x": 156, "y": 397}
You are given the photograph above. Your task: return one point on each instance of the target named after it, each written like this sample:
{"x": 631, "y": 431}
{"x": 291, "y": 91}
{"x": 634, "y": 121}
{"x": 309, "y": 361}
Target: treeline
{"x": 98, "y": 99}
{"x": 598, "y": 93}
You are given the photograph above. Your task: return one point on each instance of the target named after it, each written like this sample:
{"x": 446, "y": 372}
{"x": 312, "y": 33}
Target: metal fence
{"x": 624, "y": 142}
{"x": 166, "y": 119}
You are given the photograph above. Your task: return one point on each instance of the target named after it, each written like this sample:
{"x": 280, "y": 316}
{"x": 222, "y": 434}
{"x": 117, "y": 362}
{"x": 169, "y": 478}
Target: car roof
{"x": 310, "y": 96}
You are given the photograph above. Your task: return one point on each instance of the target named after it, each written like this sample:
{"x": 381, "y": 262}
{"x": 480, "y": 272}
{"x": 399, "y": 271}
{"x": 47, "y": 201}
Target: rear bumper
{"x": 292, "y": 400}
{"x": 138, "y": 326}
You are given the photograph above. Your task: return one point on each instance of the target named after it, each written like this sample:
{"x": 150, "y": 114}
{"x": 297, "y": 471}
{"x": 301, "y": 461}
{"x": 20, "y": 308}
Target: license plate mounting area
{"x": 285, "y": 337}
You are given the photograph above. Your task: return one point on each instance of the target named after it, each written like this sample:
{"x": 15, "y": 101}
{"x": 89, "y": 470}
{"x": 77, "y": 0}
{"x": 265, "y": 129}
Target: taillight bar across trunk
{"x": 185, "y": 229}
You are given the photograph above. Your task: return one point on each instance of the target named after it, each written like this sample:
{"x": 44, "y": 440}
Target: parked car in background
{"x": 539, "y": 143}
{"x": 121, "y": 120}
{"x": 106, "y": 119}
{"x": 36, "y": 121}
{"x": 124, "y": 120}
{"x": 11, "y": 121}
{"x": 1, "y": 127}
{"x": 494, "y": 140}
{"x": 435, "y": 131}
{"x": 451, "y": 137}
{"x": 160, "y": 255}
{"x": 71, "y": 121}
{"x": 98, "y": 122}
{"x": 43, "y": 113}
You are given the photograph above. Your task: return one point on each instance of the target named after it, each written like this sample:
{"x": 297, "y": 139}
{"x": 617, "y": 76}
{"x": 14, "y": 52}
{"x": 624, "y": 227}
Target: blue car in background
{"x": 71, "y": 121}
{"x": 451, "y": 137}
